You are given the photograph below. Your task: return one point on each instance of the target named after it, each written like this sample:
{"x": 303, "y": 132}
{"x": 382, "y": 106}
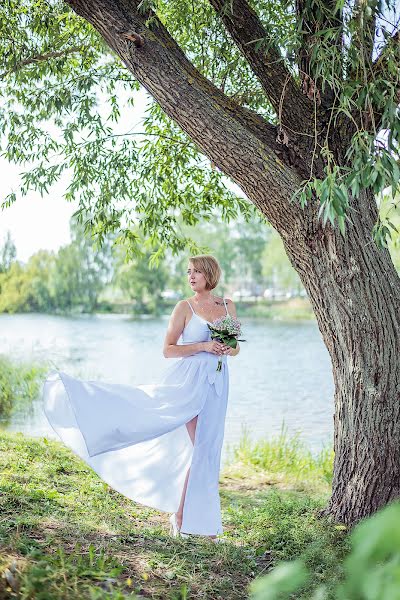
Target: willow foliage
{"x": 66, "y": 101}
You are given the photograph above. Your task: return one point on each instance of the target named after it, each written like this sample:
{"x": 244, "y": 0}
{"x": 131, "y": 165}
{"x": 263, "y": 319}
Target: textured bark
{"x": 353, "y": 286}
{"x": 238, "y": 141}
{"x": 295, "y": 111}
{"x": 355, "y": 292}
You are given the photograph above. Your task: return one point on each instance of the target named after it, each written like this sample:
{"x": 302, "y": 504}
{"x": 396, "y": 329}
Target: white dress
{"x": 136, "y": 438}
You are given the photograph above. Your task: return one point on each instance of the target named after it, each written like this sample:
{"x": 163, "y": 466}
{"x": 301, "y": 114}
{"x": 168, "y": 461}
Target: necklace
{"x": 211, "y": 302}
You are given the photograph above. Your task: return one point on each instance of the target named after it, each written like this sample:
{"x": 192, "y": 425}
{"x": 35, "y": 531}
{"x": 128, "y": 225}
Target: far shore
{"x": 293, "y": 309}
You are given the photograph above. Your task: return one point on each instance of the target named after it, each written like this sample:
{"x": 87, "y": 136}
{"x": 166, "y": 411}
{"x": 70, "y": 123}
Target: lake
{"x": 282, "y": 374}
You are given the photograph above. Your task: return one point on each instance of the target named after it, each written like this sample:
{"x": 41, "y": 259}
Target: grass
{"x": 294, "y": 309}
{"x": 287, "y": 458}
{"x": 65, "y": 534}
{"x": 19, "y": 384}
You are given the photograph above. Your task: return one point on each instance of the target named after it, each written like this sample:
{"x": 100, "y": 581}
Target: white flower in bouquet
{"x": 226, "y": 330}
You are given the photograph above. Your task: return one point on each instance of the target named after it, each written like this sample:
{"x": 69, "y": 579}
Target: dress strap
{"x": 190, "y": 306}
{"x": 226, "y": 308}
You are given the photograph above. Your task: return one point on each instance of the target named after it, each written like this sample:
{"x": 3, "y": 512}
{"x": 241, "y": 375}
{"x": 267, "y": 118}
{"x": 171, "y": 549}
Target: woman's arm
{"x": 175, "y": 327}
{"x": 232, "y": 312}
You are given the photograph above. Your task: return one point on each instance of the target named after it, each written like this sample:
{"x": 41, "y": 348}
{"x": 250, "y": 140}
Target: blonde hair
{"x": 210, "y": 268}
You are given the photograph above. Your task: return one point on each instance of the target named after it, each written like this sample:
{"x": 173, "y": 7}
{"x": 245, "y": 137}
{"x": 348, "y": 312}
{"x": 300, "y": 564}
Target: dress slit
{"x": 136, "y": 438}
{"x": 193, "y": 442}
{"x": 189, "y": 470}
{"x": 192, "y": 474}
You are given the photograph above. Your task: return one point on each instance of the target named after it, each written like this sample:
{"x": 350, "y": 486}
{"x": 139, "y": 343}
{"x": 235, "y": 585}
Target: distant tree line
{"x": 68, "y": 280}
{"x": 85, "y": 277}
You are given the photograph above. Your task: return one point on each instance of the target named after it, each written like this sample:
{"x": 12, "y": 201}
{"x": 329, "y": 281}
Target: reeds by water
{"x": 19, "y": 384}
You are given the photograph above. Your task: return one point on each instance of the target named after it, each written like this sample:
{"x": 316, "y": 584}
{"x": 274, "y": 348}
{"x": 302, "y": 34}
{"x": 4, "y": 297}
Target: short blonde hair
{"x": 210, "y": 268}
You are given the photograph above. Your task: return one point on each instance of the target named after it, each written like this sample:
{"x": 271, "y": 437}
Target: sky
{"x": 36, "y": 222}
{"x": 43, "y": 223}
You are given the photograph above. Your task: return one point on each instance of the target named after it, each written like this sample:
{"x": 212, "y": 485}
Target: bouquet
{"x": 226, "y": 330}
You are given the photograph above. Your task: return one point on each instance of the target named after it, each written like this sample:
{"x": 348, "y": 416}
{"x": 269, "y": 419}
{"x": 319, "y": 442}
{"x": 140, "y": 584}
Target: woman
{"x": 159, "y": 444}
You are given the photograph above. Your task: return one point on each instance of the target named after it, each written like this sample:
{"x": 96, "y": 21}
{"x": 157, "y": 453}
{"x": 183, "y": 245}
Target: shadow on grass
{"x": 64, "y": 533}
{"x": 64, "y": 559}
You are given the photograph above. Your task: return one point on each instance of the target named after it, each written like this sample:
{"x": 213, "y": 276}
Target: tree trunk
{"x": 352, "y": 285}
{"x": 355, "y": 292}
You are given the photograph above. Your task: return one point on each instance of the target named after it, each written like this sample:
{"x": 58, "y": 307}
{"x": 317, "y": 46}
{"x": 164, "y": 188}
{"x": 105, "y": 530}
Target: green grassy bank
{"x": 19, "y": 384}
{"x": 294, "y": 309}
{"x": 64, "y": 534}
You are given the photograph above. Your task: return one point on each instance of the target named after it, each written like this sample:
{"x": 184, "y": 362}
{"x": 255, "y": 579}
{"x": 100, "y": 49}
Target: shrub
{"x": 19, "y": 384}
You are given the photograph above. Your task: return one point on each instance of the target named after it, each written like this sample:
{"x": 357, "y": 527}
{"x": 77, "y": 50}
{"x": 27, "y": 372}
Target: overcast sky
{"x": 43, "y": 223}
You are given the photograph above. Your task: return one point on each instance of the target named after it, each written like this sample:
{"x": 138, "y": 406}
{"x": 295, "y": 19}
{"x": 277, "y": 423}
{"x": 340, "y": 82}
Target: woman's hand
{"x": 216, "y": 347}
{"x": 229, "y": 351}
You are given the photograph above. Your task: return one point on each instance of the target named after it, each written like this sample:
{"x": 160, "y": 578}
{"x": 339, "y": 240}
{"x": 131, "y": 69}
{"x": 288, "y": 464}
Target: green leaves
{"x": 70, "y": 280}
{"x": 372, "y": 569}
{"x": 333, "y": 197}
{"x": 382, "y": 231}
{"x": 285, "y": 579}
{"x": 19, "y": 384}
{"x": 370, "y": 165}
{"x": 67, "y": 113}
{"x": 373, "y": 164}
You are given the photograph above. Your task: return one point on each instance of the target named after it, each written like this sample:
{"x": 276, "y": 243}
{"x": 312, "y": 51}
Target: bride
{"x": 159, "y": 444}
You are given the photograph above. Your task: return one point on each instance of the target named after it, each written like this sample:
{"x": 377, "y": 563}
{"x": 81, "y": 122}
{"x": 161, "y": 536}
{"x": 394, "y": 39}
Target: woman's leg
{"x": 191, "y": 427}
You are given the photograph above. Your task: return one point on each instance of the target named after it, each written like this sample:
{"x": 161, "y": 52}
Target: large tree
{"x": 295, "y": 102}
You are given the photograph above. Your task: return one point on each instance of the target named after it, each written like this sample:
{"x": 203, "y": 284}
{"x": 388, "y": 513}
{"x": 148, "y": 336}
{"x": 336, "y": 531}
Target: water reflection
{"x": 283, "y": 371}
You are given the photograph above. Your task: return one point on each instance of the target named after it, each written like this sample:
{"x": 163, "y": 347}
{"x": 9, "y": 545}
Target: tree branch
{"x": 362, "y": 26}
{"x": 314, "y": 16}
{"x": 237, "y": 140}
{"x": 391, "y": 50}
{"x": 293, "y": 108}
{"x": 381, "y": 68}
{"x": 40, "y": 58}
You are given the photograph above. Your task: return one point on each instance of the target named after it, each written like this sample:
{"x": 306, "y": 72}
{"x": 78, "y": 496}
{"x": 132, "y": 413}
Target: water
{"x": 282, "y": 373}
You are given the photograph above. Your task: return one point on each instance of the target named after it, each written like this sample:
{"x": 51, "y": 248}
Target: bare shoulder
{"x": 231, "y": 306}
{"x": 179, "y": 315}
{"x": 178, "y": 309}
{"x": 180, "y": 306}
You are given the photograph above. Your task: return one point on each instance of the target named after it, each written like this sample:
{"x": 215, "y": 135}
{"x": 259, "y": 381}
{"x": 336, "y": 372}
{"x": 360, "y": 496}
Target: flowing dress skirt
{"x": 136, "y": 439}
